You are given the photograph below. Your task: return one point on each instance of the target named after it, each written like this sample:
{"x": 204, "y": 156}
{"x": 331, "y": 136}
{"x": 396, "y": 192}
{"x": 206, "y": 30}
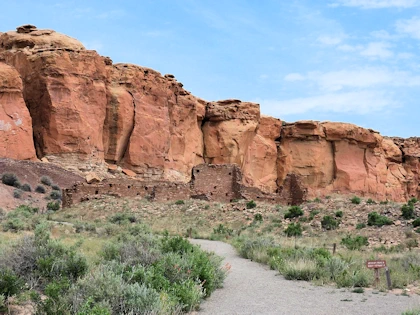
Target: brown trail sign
{"x": 376, "y": 265}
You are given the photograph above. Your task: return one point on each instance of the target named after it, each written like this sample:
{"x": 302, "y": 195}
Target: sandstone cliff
{"x": 81, "y": 109}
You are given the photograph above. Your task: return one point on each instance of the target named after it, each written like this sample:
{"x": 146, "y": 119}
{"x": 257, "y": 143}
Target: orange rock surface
{"x": 15, "y": 122}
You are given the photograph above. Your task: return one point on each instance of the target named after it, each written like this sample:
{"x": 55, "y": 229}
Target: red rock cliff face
{"x": 15, "y": 122}
{"x": 64, "y": 90}
{"x": 84, "y": 108}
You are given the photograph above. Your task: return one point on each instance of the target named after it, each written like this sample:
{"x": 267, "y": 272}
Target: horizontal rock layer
{"x": 74, "y": 106}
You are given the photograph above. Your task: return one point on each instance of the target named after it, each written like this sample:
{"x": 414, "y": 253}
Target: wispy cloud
{"x": 377, "y": 4}
{"x": 358, "y": 102}
{"x": 359, "y": 78}
{"x": 329, "y": 40}
{"x": 410, "y": 27}
{"x": 377, "y": 50}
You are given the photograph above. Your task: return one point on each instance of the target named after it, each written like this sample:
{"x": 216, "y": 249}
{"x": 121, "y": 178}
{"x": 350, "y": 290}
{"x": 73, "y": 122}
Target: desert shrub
{"x": 360, "y": 226}
{"x": 329, "y": 223}
{"x": 355, "y": 200}
{"x": 293, "y": 229}
{"x": 317, "y": 200}
{"x": 354, "y": 242}
{"x": 413, "y": 201}
{"x": 352, "y": 278}
{"x": 375, "y": 219}
{"x": 370, "y": 201}
{"x": 10, "y": 283}
{"x": 339, "y": 214}
{"x": 20, "y": 219}
{"x": 407, "y": 211}
{"x": 55, "y": 195}
{"x": 122, "y": 218}
{"x": 46, "y": 180}
{"x": 411, "y": 243}
{"x": 13, "y": 225}
{"x": 300, "y": 269}
{"x": 251, "y": 204}
{"x": 312, "y": 214}
{"x": 180, "y": 202}
{"x": 17, "y": 193}
{"x": 416, "y": 222}
{"x": 334, "y": 266}
{"x": 384, "y": 202}
{"x": 53, "y": 205}
{"x": 40, "y": 189}
{"x": 222, "y": 230}
{"x": 9, "y": 179}
{"x": 26, "y": 187}
{"x": 176, "y": 244}
{"x": 55, "y": 187}
{"x": 258, "y": 217}
{"x": 293, "y": 212}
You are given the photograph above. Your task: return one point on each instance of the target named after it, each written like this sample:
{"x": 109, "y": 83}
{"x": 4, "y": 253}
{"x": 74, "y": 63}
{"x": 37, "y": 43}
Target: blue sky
{"x": 339, "y": 60}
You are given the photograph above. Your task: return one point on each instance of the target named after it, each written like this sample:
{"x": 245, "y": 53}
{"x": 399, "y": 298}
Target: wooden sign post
{"x": 376, "y": 265}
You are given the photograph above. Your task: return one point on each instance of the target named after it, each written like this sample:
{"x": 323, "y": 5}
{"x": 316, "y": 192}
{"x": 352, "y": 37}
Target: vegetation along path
{"x": 251, "y": 288}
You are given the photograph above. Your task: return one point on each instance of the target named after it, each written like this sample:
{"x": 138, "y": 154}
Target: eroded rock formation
{"x": 15, "y": 122}
{"x": 85, "y": 109}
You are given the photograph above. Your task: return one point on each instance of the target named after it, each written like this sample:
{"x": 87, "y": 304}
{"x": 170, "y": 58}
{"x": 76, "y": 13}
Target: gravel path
{"x": 251, "y": 288}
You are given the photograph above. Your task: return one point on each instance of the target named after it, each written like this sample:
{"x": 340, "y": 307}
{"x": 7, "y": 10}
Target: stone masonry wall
{"x": 209, "y": 182}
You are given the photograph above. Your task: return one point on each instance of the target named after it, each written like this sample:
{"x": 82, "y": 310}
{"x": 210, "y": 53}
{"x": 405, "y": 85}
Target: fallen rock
{"x": 92, "y": 178}
{"x": 128, "y": 172}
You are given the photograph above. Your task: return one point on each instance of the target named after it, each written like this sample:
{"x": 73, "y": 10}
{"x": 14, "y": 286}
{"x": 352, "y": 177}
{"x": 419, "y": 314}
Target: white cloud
{"x": 358, "y": 79}
{"x": 329, "y": 40}
{"x": 346, "y": 47}
{"x": 377, "y": 50}
{"x": 359, "y": 102}
{"x": 410, "y": 27}
{"x": 291, "y": 77}
{"x": 377, "y": 4}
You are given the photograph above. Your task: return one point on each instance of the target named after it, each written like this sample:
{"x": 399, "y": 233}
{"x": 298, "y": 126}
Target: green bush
{"x": 251, "y": 204}
{"x": 293, "y": 230}
{"x": 374, "y": 219}
{"x": 26, "y": 187}
{"x": 293, "y": 212}
{"x": 317, "y": 200}
{"x": 413, "y": 201}
{"x": 17, "y": 193}
{"x": 312, "y": 214}
{"x": 10, "y": 283}
{"x": 46, "y": 180}
{"x": 13, "y": 225}
{"x": 53, "y": 205}
{"x": 355, "y": 200}
{"x": 416, "y": 222}
{"x": 9, "y": 179}
{"x": 180, "y": 202}
{"x": 407, "y": 211}
{"x": 370, "y": 202}
{"x": 339, "y": 214}
{"x": 354, "y": 242}
{"x": 360, "y": 226}
{"x": 222, "y": 230}
{"x": 329, "y": 223}
{"x": 40, "y": 189}
{"x": 300, "y": 269}
{"x": 122, "y": 218}
{"x": 385, "y": 202}
{"x": 258, "y": 217}
{"x": 55, "y": 195}
{"x": 55, "y": 187}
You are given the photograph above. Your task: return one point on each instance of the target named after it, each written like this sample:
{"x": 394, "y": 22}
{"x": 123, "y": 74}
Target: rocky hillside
{"x": 74, "y": 107}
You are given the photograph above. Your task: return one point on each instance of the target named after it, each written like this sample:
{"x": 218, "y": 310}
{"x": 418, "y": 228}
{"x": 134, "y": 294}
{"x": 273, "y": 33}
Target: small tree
{"x": 251, "y": 204}
{"x": 293, "y": 212}
{"x": 407, "y": 211}
{"x": 329, "y": 223}
{"x": 293, "y": 229}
